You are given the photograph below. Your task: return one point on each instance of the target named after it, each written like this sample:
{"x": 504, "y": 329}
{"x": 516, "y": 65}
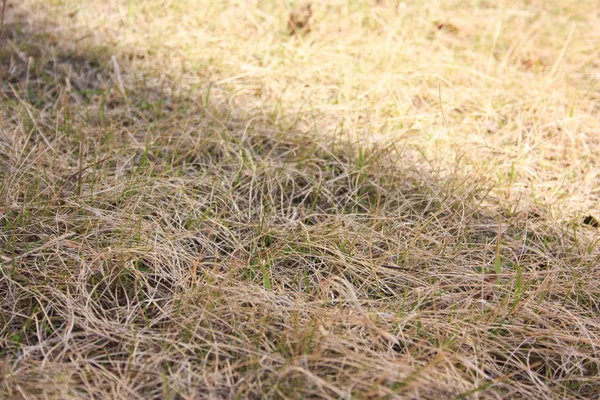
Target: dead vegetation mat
{"x": 162, "y": 246}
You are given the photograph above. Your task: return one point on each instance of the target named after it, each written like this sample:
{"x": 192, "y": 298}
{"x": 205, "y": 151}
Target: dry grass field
{"x": 401, "y": 202}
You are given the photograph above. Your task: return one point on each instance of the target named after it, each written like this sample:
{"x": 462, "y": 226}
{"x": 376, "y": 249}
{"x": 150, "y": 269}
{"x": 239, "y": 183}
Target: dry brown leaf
{"x": 532, "y": 63}
{"x": 446, "y": 27}
{"x": 300, "y": 19}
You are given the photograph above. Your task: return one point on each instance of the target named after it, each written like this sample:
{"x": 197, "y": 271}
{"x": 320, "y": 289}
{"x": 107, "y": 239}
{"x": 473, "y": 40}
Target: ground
{"x": 402, "y": 202}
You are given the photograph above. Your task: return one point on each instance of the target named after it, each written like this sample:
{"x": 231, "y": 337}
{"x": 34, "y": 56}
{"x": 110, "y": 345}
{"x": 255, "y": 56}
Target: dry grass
{"x": 195, "y": 205}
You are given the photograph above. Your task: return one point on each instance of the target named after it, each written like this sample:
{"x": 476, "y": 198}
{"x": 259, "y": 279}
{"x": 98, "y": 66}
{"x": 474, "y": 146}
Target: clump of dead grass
{"x": 163, "y": 243}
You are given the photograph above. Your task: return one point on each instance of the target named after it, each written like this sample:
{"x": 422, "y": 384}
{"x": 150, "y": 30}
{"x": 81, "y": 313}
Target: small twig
{"x": 395, "y": 267}
{"x": 121, "y": 87}
{"x": 2, "y": 36}
{"x": 29, "y": 62}
{"x": 118, "y": 73}
{"x": 80, "y": 172}
{"x": 562, "y": 52}
{"x": 441, "y": 107}
{"x": 1, "y": 41}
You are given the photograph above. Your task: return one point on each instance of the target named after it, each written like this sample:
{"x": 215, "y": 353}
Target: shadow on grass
{"x": 156, "y": 245}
